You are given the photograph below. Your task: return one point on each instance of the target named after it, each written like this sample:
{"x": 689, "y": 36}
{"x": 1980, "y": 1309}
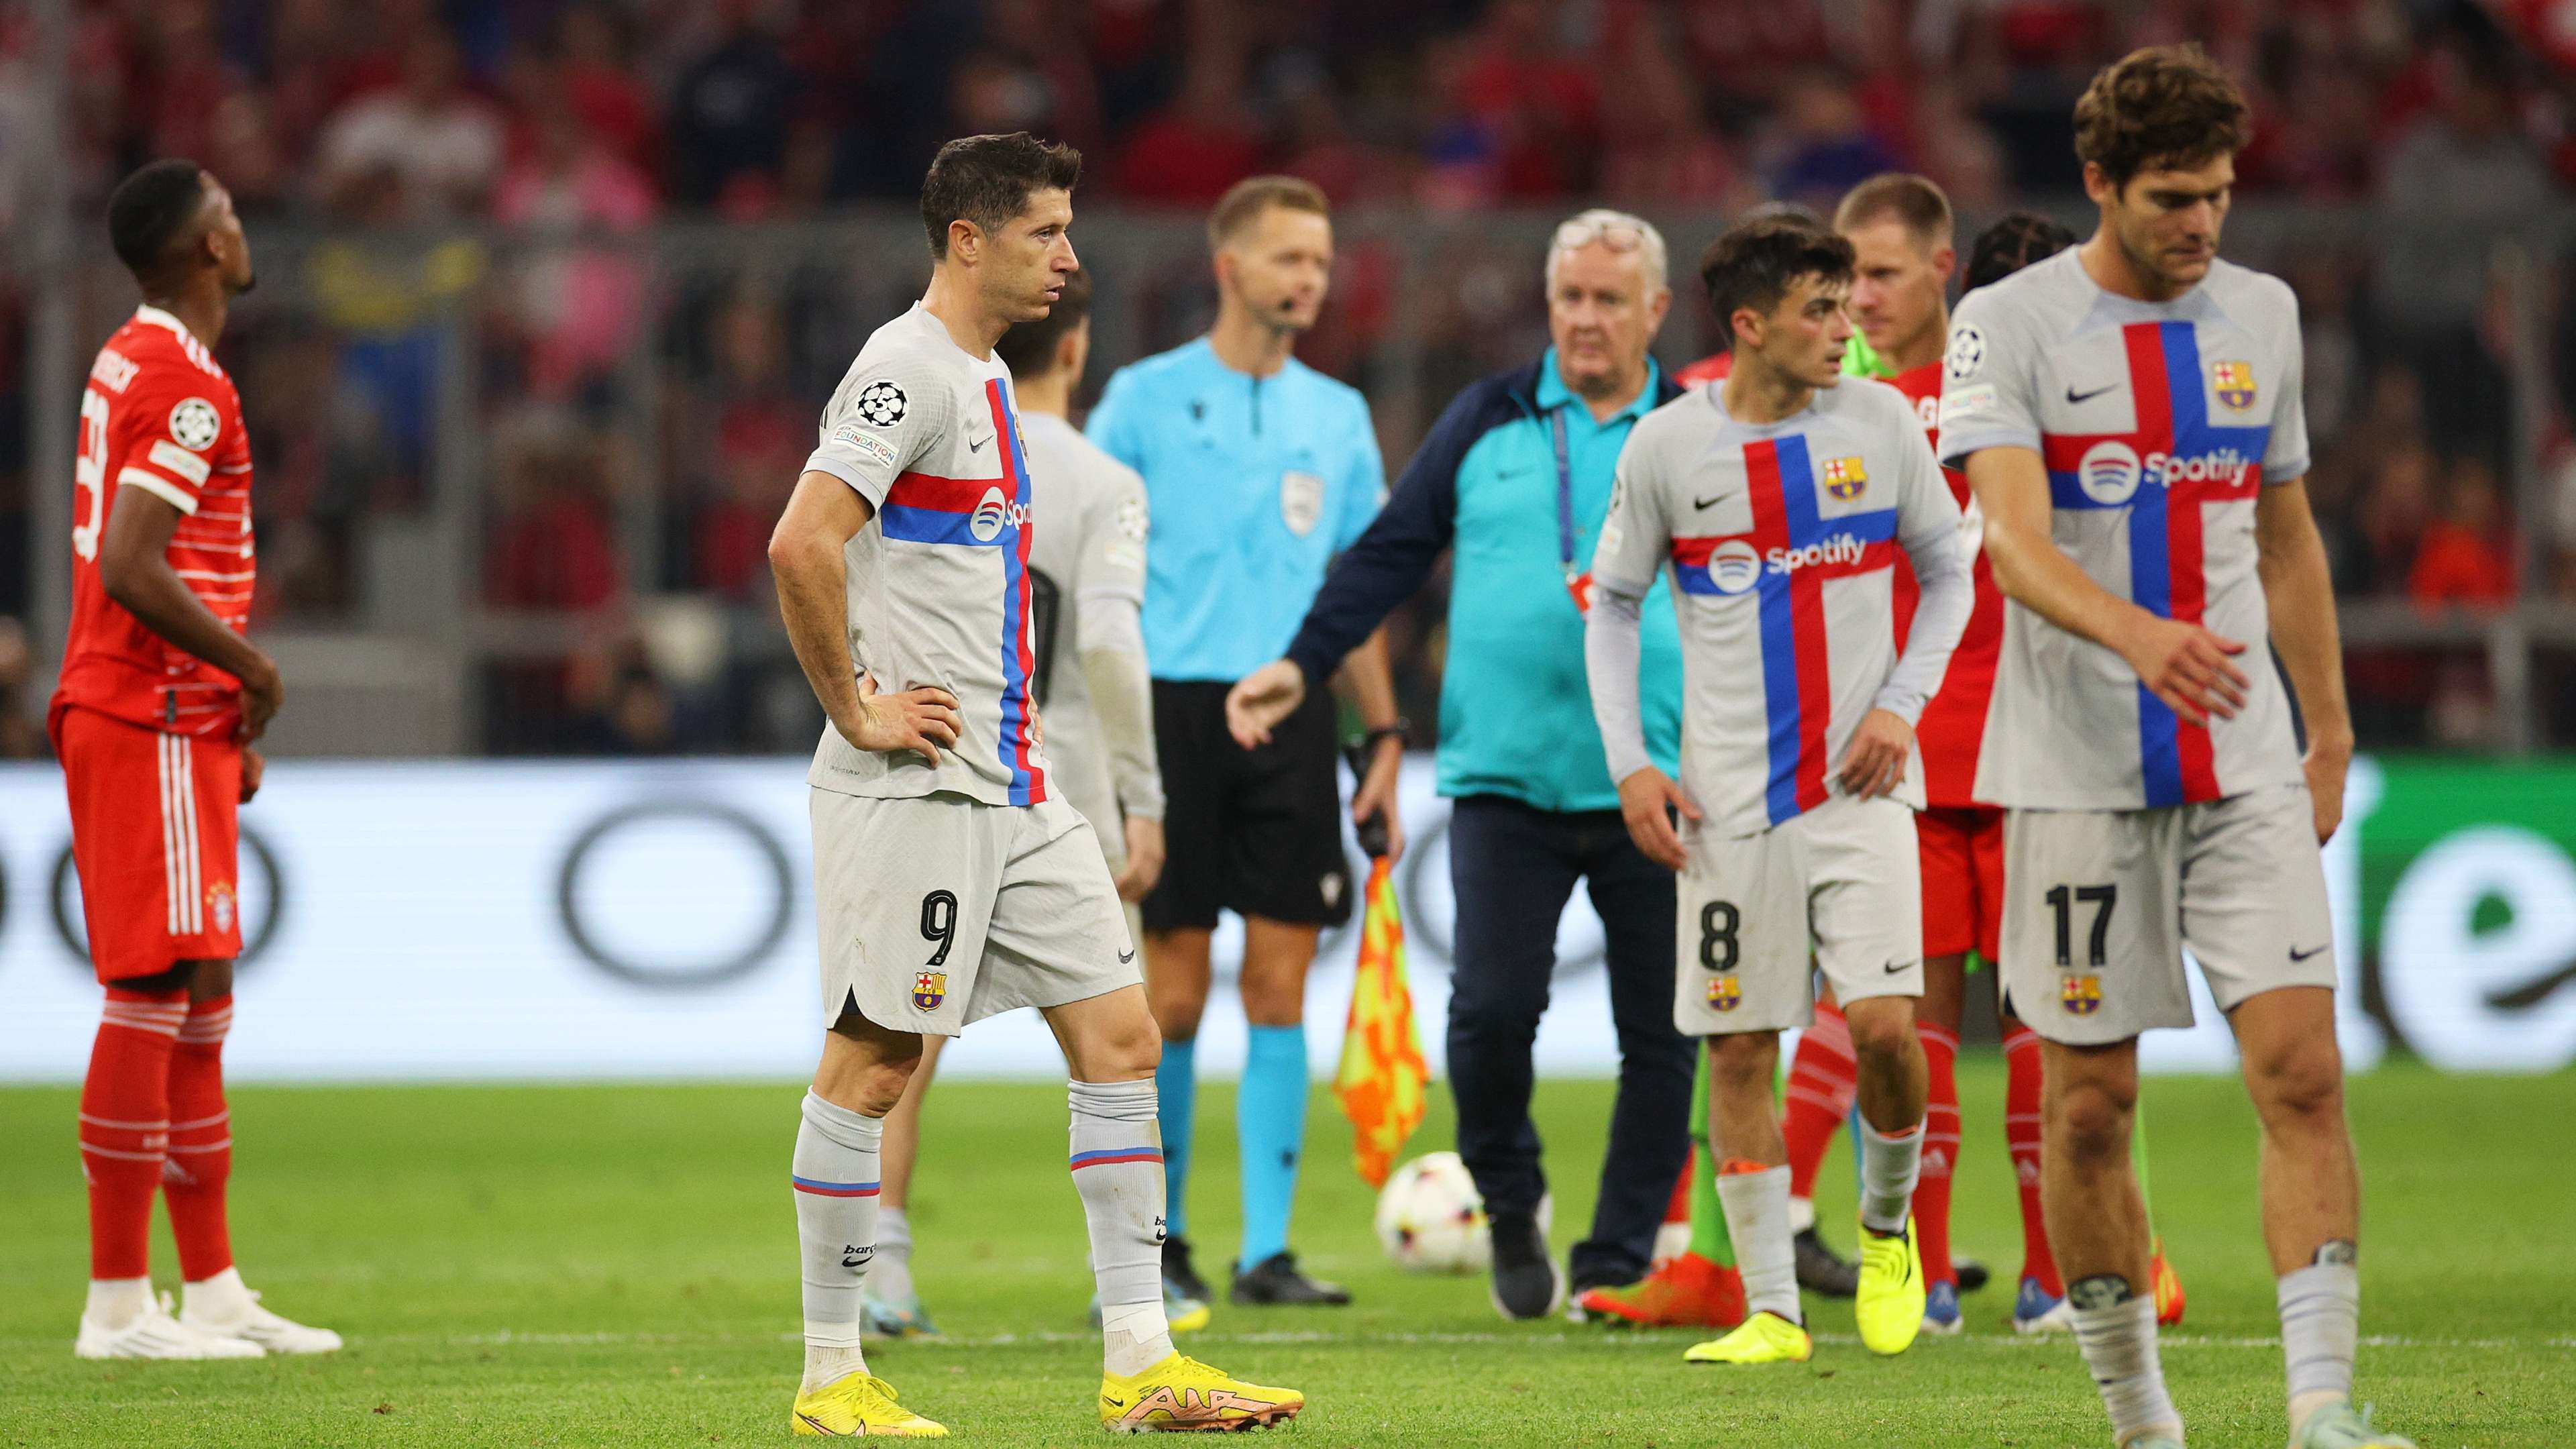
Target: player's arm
{"x": 134, "y": 568}
{"x": 806, "y": 557}
{"x": 1634, "y": 537}
{"x": 2185, "y": 665}
{"x": 1927, "y": 523}
{"x": 1109, "y": 637}
{"x": 2298, "y": 592}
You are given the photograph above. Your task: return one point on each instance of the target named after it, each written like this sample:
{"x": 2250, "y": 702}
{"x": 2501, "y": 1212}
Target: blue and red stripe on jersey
{"x": 926, "y": 508}
{"x": 832, "y": 1189}
{"x": 1108, "y": 1155}
{"x": 2168, "y": 569}
{"x": 1797, "y": 672}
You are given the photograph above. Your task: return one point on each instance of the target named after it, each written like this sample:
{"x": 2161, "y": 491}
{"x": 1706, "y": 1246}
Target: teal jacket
{"x": 1515, "y": 708}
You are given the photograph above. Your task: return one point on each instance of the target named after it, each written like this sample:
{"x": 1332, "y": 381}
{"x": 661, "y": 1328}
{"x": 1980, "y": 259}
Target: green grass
{"x": 616, "y": 1266}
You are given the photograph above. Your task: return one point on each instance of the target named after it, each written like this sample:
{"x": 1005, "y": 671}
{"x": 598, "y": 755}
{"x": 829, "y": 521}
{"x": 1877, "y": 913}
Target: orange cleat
{"x": 2168, "y": 1288}
{"x": 1686, "y": 1292}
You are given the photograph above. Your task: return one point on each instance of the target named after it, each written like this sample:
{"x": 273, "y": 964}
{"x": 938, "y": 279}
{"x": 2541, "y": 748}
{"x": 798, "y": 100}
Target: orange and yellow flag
{"x": 1383, "y": 1078}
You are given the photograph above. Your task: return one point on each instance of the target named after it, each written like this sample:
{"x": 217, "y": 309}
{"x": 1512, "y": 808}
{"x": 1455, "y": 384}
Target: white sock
{"x": 890, "y": 1271}
{"x": 1889, "y": 1168}
{"x": 2119, "y": 1343}
{"x": 1134, "y": 1337}
{"x": 117, "y": 1302}
{"x": 1117, "y": 1166}
{"x": 1802, "y": 1215}
{"x": 220, "y": 1299}
{"x": 831, "y": 1353}
{"x": 2320, "y": 1328}
{"x": 1757, "y": 1218}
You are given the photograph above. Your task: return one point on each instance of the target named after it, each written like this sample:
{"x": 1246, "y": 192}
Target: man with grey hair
{"x": 1516, "y": 476}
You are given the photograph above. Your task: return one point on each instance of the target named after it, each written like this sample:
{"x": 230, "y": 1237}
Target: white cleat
{"x": 269, "y": 1332}
{"x": 2060, "y": 1318}
{"x": 153, "y": 1333}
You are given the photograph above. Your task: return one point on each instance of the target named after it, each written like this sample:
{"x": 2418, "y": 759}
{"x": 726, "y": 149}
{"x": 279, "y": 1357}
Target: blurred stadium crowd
{"x": 594, "y": 266}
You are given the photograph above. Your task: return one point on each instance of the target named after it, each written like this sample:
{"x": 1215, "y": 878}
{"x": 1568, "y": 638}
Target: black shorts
{"x": 1257, "y": 832}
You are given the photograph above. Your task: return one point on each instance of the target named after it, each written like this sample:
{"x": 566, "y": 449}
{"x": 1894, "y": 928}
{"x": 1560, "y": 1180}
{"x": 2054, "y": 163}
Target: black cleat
{"x": 1178, "y": 1272}
{"x": 1275, "y": 1282}
{"x": 1821, "y": 1270}
{"x": 1972, "y": 1275}
{"x": 1526, "y": 1281}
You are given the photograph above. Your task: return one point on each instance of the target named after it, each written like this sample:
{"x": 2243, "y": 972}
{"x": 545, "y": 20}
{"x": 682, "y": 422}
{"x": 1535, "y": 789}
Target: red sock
{"x": 1940, "y": 1152}
{"x": 1821, "y": 1083}
{"x": 2021, "y": 1135}
{"x": 1678, "y": 1210}
{"x": 125, "y": 1125}
{"x": 201, "y": 1142}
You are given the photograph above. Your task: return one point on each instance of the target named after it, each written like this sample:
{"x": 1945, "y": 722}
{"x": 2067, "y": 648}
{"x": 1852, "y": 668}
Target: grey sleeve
{"x": 1611, "y": 644}
{"x": 1927, "y": 524}
{"x": 881, "y": 418}
{"x": 2285, "y": 456}
{"x": 1122, "y": 700}
{"x": 1109, "y": 594}
{"x": 1988, "y": 398}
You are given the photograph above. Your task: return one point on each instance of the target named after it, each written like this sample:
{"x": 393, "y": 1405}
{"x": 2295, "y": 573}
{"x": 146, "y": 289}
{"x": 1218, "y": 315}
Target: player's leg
{"x": 1510, "y": 870}
{"x": 2097, "y": 1225}
{"x": 1179, "y": 917}
{"x": 1752, "y": 1184}
{"x": 1817, "y": 1102}
{"x": 1936, "y": 1026}
{"x": 892, "y": 1304}
{"x": 1635, "y": 899}
{"x": 1177, "y": 975}
{"x": 2039, "y": 1304}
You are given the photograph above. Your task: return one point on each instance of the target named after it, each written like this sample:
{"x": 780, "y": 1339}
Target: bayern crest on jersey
{"x": 1846, "y": 478}
{"x": 2234, "y": 383}
{"x": 2081, "y": 995}
{"x": 929, "y": 989}
{"x": 219, "y": 905}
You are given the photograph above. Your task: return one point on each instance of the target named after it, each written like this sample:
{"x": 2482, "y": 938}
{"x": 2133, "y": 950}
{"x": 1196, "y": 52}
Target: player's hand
{"x": 2326, "y": 764}
{"x": 1647, "y": 799}
{"x": 1875, "y": 763}
{"x": 254, "y": 769}
{"x": 919, "y": 721}
{"x": 1376, "y": 792}
{"x": 1261, "y": 699}
{"x": 263, "y": 694}
{"x": 1144, "y": 858}
{"x": 2187, "y": 667}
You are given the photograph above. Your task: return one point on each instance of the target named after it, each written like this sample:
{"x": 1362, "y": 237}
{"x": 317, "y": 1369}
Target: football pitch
{"x": 617, "y": 1266}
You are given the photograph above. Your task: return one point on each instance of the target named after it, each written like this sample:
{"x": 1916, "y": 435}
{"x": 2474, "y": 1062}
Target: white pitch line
{"x": 1615, "y": 1338}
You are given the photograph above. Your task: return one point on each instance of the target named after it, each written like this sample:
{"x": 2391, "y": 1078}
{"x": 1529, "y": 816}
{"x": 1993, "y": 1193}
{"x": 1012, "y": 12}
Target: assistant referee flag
{"x": 1383, "y": 1077}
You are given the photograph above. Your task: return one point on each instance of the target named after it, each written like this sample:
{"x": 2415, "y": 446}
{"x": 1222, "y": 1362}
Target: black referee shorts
{"x": 1257, "y": 832}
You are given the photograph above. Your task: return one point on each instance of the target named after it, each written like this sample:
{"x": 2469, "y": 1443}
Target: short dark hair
{"x": 150, "y": 209}
{"x": 2021, "y": 238}
{"x": 1245, "y": 201}
{"x": 988, "y": 179}
{"x": 1028, "y": 349}
{"x": 1914, "y": 201}
{"x": 1754, "y": 263}
{"x": 2166, "y": 105}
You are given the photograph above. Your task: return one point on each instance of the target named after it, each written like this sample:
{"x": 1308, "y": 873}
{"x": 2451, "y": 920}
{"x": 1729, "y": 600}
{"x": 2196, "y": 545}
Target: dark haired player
{"x": 2129, "y": 414}
{"x": 161, "y": 697}
{"x": 1778, "y": 499}
{"x": 951, "y": 880}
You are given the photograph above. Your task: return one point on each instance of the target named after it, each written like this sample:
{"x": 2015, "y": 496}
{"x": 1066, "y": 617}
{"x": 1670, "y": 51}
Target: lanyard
{"x": 1564, "y": 496}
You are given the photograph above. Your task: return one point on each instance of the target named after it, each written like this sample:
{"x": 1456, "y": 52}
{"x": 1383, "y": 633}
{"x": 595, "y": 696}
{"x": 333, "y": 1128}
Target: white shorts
{"x": 940, "y": 911}
{"x": 2099, "y": 904}
{"x": 1843, "y": 880}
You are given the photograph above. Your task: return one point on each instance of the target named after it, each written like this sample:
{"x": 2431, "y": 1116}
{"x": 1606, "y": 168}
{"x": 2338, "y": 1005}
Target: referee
{"x": 1258, "y": 470}
{"x": 1514, "y": 481}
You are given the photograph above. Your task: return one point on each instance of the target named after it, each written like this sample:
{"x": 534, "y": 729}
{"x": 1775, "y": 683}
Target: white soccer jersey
{"x": 2159, "y": 422}
{"x": 1090, "y": 553}
{"x": 1781, "y": 540}
{"x": 939, "y": 579}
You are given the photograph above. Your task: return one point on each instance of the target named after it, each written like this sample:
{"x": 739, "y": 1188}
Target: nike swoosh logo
{"x": 1113, "y": 1403}
{"x": 2073, "y": 396}
{"x": 974, "y": 445}
{"x": 2298, "y": 955}
{"x": 1708, "y": 502}
{"x": 1126, "y": 956}
{"x": 1899, "y": 968}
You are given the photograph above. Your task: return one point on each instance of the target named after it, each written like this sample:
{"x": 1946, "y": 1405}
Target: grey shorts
{"x": 1842, "y": 881}
{"x": 2099, "y": 906}
{"x": 940, "y": 911}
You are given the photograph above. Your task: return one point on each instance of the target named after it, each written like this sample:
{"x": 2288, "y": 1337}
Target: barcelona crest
{"x": 929, "y": 989}
{"x": 2234, "y": 383}
{"x": 1845, "y": 478}
{"x": 2082, "y": 995}
{"x": 1725, "y": 993}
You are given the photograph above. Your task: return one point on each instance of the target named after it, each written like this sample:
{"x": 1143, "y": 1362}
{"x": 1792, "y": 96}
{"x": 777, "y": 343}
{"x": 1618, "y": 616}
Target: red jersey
{"x": 159, "y": 415}
{"x": 1955, "y": 720}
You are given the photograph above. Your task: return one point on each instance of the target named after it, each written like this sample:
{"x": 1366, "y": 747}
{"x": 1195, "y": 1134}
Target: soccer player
{"x": 160, "y": 700}
{"x": 2129, "y": 414}
{"x": 951, "y": 881}
{"x": 1087, "y": 581}
{"x": 1260, "y": 470}
{"x": 1774, "y": 499}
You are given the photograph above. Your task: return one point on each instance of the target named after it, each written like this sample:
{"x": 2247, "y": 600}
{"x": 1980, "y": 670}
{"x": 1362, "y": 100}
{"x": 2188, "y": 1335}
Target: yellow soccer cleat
{"x": 1766, "y": 1337}
{"x": 1890, "y": 1303}
{"x": 1181, "y": 1394}
{"x": 857, "y": 1406}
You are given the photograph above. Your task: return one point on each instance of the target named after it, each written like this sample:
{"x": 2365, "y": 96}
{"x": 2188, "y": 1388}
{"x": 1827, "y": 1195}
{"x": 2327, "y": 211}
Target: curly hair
{"x": 1755, "y": 262}
{"x": 2021, "y": 238}
{"x": 2166, "y": 105}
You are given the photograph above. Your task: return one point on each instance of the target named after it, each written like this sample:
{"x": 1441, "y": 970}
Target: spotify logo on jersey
{"x": 1734, "y": 566}
{"x": 2108, "y": 473}
{"x": 992, "y": 514}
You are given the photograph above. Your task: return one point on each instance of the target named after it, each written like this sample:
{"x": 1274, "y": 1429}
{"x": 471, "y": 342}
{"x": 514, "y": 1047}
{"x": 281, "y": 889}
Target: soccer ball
{"x": 1431, "y": 1219}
